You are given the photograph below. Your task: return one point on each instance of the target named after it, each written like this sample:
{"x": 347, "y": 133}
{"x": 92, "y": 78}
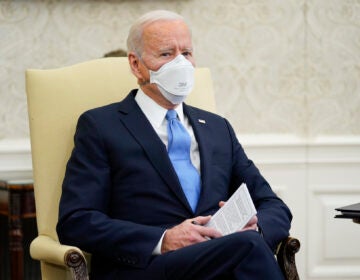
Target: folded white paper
{"x": 235, "y": 214}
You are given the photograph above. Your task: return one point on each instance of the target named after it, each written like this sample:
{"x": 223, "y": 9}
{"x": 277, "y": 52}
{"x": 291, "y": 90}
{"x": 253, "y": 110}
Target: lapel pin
{"x": 202, "y": 121}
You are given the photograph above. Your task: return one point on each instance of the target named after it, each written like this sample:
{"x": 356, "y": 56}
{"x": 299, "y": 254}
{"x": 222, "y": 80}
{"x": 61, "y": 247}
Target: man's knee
{"x": 249, "y": 237}
{"x": 246, "y": 241}
{"x": 250, "y": 250}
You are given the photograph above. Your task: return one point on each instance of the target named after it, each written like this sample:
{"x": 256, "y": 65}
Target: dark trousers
{"x": 242, "y": 256}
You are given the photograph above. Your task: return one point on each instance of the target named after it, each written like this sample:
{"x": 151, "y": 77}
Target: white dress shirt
{"x": 156, "y": 116}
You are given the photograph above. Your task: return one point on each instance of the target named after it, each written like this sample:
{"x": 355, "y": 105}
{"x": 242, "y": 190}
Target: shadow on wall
{"x": 116, "y": 53}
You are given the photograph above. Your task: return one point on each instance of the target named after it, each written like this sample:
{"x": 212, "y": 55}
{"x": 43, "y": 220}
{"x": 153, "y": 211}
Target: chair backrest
{"x": 56, "y": 98}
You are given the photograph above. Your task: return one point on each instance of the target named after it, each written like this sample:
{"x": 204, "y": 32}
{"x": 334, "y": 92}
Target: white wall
{"x": 279, "y": 66}
{"x": 314, "y": 177}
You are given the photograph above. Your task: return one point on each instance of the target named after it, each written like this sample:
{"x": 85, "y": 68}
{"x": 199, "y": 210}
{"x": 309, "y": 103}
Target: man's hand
{"x": 188, "y": 233}
{"x": 251, "y": 225}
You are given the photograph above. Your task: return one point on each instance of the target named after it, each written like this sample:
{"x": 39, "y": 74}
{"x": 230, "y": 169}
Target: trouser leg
{"x": 242, "y": 256}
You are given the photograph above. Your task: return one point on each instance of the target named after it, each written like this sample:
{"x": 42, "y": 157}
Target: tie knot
{"x": 171, "y": 114}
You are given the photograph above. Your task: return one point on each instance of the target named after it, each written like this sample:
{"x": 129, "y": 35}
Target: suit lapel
{"x": 203, "y": 136}
{"x": 139, "y": 126}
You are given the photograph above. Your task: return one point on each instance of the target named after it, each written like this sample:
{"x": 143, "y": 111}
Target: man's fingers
{"x": 201, "y": 220}
{"x": 209, "y": 232}
{"x": 221, "y": 203}
{"x": 203, "y": 230}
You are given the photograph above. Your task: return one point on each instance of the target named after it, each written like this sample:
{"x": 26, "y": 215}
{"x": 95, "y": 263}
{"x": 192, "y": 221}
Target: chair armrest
{"x": 46, "y": 249}
{"x": 285, "y": 255}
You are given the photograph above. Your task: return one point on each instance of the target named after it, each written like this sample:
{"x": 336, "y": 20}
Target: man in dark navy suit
{"x": 139, "y": 210}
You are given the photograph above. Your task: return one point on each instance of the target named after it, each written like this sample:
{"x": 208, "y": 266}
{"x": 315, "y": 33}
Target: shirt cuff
{"x": 157, "y": 250}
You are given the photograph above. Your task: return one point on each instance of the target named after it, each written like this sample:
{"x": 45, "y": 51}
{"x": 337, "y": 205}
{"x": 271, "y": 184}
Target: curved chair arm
{"x": 285, "y": 255}
{"x": 46, "y": 249}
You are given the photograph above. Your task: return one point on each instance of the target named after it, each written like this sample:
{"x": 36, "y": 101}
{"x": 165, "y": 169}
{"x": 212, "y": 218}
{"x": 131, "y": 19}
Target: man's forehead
{"x": 161, "y": 27}
{"x": 166, "y": 32}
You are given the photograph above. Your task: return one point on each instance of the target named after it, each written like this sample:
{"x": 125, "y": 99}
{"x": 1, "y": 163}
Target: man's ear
{"x": 134, "y": 63}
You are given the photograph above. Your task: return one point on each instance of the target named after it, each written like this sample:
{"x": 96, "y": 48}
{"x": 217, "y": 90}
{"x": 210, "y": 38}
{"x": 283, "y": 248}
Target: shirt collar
{"x": 153, "y": 111}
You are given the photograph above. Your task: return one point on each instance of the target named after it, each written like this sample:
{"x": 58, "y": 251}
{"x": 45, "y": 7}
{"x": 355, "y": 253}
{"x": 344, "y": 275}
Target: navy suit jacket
{"x": 120, "y": 191}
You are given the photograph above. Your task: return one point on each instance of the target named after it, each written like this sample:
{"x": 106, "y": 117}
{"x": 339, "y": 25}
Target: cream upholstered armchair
{"x": 56, "y": 98}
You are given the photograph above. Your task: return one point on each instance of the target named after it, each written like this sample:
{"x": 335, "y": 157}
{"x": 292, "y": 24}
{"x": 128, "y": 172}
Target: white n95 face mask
{"x": 174, "y": 79}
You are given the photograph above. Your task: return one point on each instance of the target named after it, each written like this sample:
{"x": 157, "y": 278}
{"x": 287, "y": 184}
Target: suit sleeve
{"x": 274, "y": 217}
{"x": 83, "y": 211}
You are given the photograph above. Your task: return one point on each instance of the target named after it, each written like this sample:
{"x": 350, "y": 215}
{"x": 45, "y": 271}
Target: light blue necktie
{"x": 179, "y": 152}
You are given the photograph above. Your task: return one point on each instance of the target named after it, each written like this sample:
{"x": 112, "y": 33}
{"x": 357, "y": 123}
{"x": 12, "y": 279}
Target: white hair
{"x": 134, "y": 40}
